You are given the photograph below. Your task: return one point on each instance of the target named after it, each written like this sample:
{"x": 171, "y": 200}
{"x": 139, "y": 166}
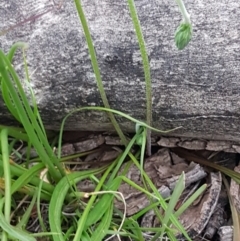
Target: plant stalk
{"x": 96, "y": 69}
{"x": 183, "y": 10}
{"x": 146, "y": 68}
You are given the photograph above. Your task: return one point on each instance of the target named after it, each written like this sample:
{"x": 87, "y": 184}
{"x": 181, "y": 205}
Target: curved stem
{"x": 96, "y": 69}
{"x": 184, "y": 12}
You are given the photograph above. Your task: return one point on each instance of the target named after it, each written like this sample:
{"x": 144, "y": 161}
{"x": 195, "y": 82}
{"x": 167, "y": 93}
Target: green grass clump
{"x": 95, "y": 219}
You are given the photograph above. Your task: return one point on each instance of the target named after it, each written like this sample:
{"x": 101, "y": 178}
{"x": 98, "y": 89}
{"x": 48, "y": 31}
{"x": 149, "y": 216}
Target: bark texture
{"x": 197, "y": 88}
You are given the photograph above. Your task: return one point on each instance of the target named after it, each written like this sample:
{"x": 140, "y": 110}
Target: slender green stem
{"x": 98, "y": 108}
{"x": 7, "y": 174}
{"x": 4, "y": 233}
{"x": 40, "y": 218}
{"x": 184, "y": 11}
{"x": 96, "y": 68}
{"x": 24, "y": 219}
{"x": 146, "y": 68}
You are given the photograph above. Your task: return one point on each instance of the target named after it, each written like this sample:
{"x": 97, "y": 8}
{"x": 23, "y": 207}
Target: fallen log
{"x": 196, "y": 88}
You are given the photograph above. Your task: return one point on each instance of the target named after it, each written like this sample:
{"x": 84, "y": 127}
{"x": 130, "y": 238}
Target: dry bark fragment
{"x": 219, "y": 146}
{"x": 195, "y": 218}
{"x": 236, "y": 148}
{"x": 89, "y": 144}
{"x": 193, "y": 144}
{"x": 194, "y": 173}
{"x": 177, "y": 159}
{"x": 67, "y": 149}
{"x": 199, "y": 144}
{"x": 169, "y": 171}
{"x": 108, "y": 155}
{"x": 168, "y": 141}
{"x": 217, "y": 219}
{"x": 235, "y": 190}
{"x": 113, "y": 140}
{"x": 225, "y": 233}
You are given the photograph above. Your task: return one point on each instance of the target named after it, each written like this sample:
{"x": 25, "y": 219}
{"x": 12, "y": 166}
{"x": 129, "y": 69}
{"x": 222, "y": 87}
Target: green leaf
{"x": 183, "y": 35}
{"x": 179, "y": 188}
{"x": 14, "y": 49}
{"x": 26, "y": 177}
{"x": 101, "y": 231}
{"x": 190, "y": 200}
{"x": 24, "y": 219}
{"x": 58, "y": 197}
{"x": 28, "y": 118}
{"x": 14, "y": 232}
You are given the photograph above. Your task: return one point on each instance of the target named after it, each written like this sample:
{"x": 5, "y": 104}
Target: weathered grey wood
{"x": 197, "y": 88}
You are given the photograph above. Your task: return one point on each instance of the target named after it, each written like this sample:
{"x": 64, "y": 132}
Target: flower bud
{"x": 183, "y": 35}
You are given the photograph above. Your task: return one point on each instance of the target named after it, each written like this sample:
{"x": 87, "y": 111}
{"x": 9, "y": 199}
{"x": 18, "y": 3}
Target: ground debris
{"x": 164, "y": 175}
{"x": 196, "y": 217}
{"x": 235, "y": 190}
{"x": 218, "y": 218}
{"x": 202, "y": 220}
{"x": 199, "y": 144}
{"x": 225, "y": 233}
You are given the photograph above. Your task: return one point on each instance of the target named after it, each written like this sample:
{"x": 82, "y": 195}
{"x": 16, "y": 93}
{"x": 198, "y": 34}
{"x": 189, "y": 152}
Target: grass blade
{"x": 27, "y": 213}
{"x": 177, "y": 192}
{"x": 163, "y": 203}
{"x": 7, "y": 174}
{"x": 58, "y": 196}
{"x": 101, "y": 231}
{"x": 190, "y": 200}
{"x": 98, "y": 108}
{"x": 26, "y": 177}
{"x": 13, "y": 231}
{"x": 87, "y": 217}
{"x": 28, "y": 118}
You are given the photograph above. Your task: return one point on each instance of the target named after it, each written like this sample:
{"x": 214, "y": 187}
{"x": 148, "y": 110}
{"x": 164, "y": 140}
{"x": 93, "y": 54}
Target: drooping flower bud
{"x": 183, "y": 35}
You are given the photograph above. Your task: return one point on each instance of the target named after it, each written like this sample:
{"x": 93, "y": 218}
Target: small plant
{"x": 96, "y": 216}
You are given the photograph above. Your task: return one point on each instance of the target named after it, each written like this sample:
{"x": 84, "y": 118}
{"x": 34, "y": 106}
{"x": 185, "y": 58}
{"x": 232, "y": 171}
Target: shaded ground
{"x": 204, "y": 219}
